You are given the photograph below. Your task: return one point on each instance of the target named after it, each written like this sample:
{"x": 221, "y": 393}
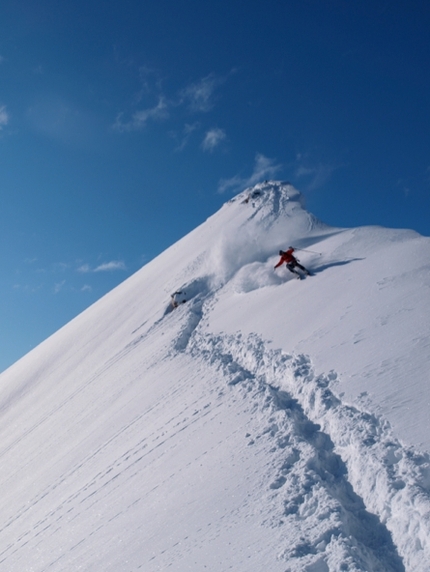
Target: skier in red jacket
{"x": 291, "y": 262}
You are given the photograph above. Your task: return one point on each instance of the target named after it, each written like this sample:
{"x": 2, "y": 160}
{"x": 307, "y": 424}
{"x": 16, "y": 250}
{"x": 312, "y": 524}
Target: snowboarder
{"x": 291, "y": 262}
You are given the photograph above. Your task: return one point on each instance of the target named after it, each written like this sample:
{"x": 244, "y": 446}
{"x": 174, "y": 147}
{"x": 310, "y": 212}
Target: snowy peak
{"x": 276, "y": 193}
{"x": 250, "y": 229}
{"x": 273, "y": 199}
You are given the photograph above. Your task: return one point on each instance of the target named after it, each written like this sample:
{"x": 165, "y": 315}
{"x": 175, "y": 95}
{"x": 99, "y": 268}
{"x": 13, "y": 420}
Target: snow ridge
{"x": 331, "y": 450}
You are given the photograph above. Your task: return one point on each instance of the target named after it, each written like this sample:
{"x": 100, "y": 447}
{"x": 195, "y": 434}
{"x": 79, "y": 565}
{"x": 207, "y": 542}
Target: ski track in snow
{"x": 333, "y": 455}
{"x": 118, "y": 472}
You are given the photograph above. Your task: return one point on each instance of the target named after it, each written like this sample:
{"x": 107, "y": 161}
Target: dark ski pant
{"x": 292, "y": 265}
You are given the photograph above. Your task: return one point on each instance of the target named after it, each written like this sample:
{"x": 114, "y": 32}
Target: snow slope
{"x": 266, "y": 424}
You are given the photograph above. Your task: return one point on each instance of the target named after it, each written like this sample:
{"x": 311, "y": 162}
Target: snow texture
{"x": 264, "y": 424}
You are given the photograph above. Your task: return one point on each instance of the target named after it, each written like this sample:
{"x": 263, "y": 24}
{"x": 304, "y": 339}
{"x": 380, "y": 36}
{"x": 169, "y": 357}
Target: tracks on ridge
{"x": 358, "y": 499}
{"x": 349, "y": 489}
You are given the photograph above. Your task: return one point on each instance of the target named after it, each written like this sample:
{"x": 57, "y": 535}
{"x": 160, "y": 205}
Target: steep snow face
{"x": 364, "y": 314}
{"x": 260, "y": 222}
{"x": 266, "y": 423}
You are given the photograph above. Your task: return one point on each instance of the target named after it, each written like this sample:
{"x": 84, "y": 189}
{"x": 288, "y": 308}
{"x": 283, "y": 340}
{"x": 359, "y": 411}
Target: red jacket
{"x": 287, "y": 257}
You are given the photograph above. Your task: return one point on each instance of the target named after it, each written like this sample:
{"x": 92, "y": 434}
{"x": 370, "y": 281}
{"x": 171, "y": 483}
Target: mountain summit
{"x": 265, "y": 423}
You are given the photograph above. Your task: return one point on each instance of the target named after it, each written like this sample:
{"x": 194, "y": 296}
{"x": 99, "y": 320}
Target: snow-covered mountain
{"x": 265, "y": 424}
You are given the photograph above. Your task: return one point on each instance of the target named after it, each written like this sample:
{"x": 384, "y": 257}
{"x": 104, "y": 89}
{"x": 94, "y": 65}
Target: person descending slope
{"x": 177, "y": 298}
{"x": 291, "y": 262}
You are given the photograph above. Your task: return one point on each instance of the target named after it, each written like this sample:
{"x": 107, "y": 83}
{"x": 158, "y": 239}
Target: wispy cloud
{"x": 109, "y": 266}
{"x": 264, "y": 168}
{"x": 314, "y": 175}
{"x": 150, "y": 80}
{"x": 105, "y": 267}
{"x": 58, "y": 286}
{"x": 317, "y": 176}
{"x": 185, "y": 136}
{"x": 4, "y": 117}
{"x": 195, "y": 98}
{"x": 140, "y": 118}
{"x": 199, "y": 96}
{"x": 213, "y": 138}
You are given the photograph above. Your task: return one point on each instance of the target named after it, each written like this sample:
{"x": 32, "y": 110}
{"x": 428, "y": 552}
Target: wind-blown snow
{"x": 266, "y": 424}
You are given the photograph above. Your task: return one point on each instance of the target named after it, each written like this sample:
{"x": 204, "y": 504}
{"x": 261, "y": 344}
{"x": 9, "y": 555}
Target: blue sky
{"x": 124, "y": 125}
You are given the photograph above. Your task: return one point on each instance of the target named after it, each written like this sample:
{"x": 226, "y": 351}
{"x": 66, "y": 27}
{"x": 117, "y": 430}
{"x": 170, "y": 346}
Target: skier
{"x": 291, "y": 262}
{"x": 178, "y": 298}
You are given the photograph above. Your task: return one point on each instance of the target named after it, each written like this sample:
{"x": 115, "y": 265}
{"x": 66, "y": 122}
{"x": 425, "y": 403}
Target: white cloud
{"x": 4, "y": 117}
{"x": 105, "y": 267}
{"x": 109, "y": 266}
{"x": 86, "y": 288}
{"x": 199, "y": 95}
{"x": 264, "y": 168}
{"x": 213, "y": 138}
{"x": 140, "y": 118}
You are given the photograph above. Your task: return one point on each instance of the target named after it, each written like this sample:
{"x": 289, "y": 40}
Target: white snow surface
{"x": 265, "y": 424}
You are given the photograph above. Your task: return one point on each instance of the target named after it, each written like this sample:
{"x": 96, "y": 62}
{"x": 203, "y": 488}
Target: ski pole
{"x": 304, "y": 250}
